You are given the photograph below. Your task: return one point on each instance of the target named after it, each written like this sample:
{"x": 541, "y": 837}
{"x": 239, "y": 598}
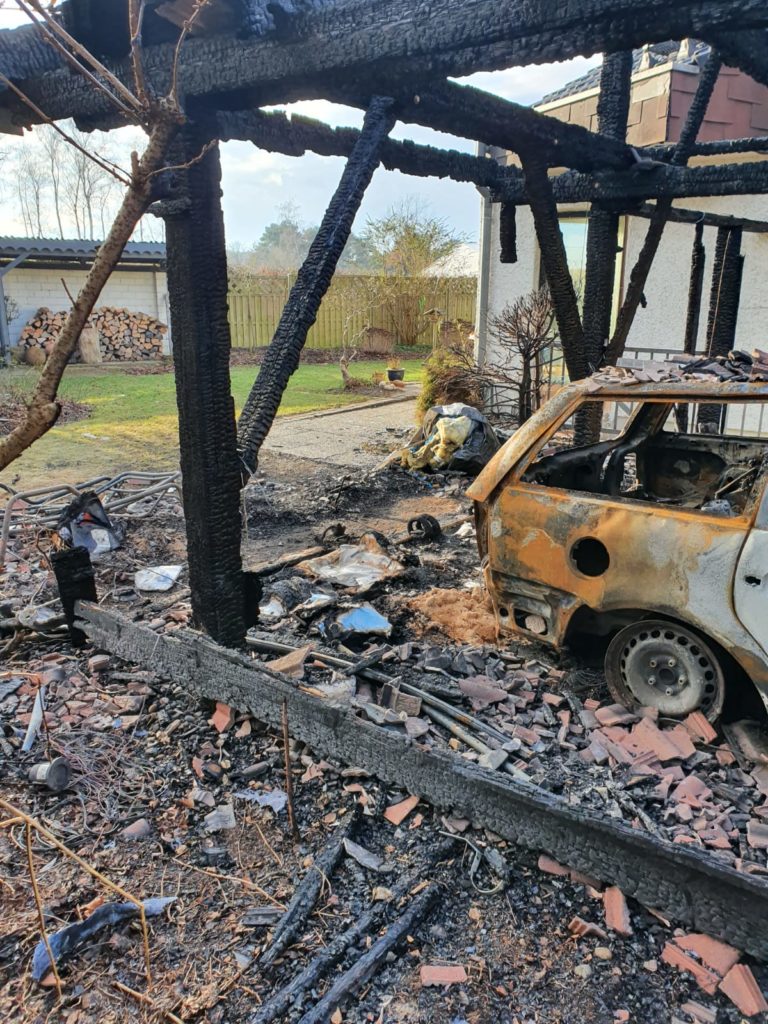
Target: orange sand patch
{"x": 465, "y": 616}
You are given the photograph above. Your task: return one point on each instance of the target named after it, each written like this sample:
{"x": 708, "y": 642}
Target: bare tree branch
{"x": 113, "y": 170}
{"x": 55, "y": 29}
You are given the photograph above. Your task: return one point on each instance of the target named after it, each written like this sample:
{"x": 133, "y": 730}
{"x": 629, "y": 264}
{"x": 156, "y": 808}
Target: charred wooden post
{"x": 695, "y": 291}
{"x": 76, "y": 581}
{"x": 282, "y": 356}
{"x": 554, "y": 260}
{"x": 197, "y": 290}
{"x": 603, "y": 237}
{"x": 723, "y": 310}
{"x": 680, "y": 156}
{"x": 507, "y": 234}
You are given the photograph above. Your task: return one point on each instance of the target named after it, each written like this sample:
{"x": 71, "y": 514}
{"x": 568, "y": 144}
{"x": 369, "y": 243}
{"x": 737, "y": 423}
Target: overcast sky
{"x": 257, "y": 183}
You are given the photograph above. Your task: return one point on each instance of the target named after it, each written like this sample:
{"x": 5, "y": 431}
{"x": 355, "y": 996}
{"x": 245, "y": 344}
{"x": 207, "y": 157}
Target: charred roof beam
{"x": 362, "y": 44}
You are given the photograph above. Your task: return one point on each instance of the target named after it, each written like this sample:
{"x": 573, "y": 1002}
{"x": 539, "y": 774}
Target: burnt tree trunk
{"x": 197, "y": 290}
{"x": 603, "y": 239}
{"x": 282, "y": 356}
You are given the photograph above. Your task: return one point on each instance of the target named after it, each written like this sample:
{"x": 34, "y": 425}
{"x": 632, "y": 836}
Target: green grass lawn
{"x": 133, "y": 422}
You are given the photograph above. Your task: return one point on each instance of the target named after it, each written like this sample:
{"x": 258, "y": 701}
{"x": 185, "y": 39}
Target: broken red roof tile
{"x": 615, "y": 714}
{"x": 551, "y": 866}
{"x": 757, "y": 834}
{"x": 555, "y": 699}
{"x": 682, "y": 740}
{"x": 666, "y": 745}
{"x": 701, "y": 1014}
{"x": 223, "y": 717}
{"x": 741, "y": 988}
{"x": 581, "y": 928}
{"x": 676, "y": 957}
{"x": 715, "y": 954}
{"x": 616, "y": 911}
{"x": 397, "y": 813}
{"x": 442, "y": 974}
{"x": 725, "y": 756}
{"x": 699, "y": 728}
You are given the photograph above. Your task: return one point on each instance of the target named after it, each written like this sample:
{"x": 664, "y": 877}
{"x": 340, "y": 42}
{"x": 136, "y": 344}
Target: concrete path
{"x": 357, "y": 435}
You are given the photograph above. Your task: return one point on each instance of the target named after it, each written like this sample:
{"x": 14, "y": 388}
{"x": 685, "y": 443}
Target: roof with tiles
{"x": 653, "y": 56}
{"x": 77, "y": 249}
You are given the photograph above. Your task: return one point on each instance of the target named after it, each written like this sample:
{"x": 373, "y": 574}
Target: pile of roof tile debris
{"x": 736, "y": 367}
{"x": 166, "y": 797}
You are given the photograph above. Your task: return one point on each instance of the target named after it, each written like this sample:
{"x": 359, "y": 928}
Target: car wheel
{"x": 661, "y": 664}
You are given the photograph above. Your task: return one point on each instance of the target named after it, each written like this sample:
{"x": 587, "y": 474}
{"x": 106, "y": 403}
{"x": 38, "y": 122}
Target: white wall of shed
{"x": 140, "y": 291}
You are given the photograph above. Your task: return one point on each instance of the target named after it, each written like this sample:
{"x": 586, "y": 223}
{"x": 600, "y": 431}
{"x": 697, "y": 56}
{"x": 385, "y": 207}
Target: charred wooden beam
{"x": 282, "y": 356}
{"x": 474, "y": 114}
{"x": 603, "y": 224}
{"x": 724, "y": 299}
{"x": 359, "y": 42}
{"x": 713, "y": 147}
{"x": 688, "y": 885}
{"x": 680, "y": 156}
{"x": 197, "y": 290}
{"x": 695, "y": 290}
{"x": 507, "y": 234}
{"x": 742, "y": 48}
{"x": 297, "y": 135}
{"x": 554, "y": 260}
{"x": 706, "y": 219}
{"x": 725, "y": 292}
{"x": 651, "y": 181}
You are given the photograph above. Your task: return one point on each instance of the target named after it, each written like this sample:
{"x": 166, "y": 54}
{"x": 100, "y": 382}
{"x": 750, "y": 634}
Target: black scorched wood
{"x": 474, "y": 114}
{"x": 650, "y": 181}
{"x": 312, "y": 281}
{"x": 723, "y": 310}
{"x": 554, "y": 260}
{"x": 603, "y": 238}
{"x": 681, "y": 154}
{"x": 695, "y": 290}
{"x": 687, "y": 885}
{"x": 297, "y": 135}
{"x": 197, "y": 291}
{"x": 354, "y": 43}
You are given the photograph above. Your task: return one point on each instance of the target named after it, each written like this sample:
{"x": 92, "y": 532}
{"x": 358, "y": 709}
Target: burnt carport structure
{"x": 392, "y": 58}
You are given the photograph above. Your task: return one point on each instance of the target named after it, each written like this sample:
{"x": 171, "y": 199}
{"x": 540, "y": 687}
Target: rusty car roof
{"x": 688, "y": 386}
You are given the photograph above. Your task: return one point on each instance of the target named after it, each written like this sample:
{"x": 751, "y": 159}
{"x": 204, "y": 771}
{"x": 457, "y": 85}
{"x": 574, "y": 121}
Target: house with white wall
{"x": 53, "y": 266}
{"x": 664, "y": 81}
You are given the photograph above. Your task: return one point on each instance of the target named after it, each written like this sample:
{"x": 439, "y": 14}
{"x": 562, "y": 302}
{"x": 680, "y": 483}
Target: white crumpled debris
{"x": 157, "y": 577}
{"x": 355, "y": 566}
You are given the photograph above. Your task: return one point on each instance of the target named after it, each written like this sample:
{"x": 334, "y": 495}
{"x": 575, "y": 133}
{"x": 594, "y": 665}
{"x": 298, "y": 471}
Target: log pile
{"x": 123, "y": 334}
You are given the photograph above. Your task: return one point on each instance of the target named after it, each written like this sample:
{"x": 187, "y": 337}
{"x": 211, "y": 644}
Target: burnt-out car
{"x": 650, "y": 544}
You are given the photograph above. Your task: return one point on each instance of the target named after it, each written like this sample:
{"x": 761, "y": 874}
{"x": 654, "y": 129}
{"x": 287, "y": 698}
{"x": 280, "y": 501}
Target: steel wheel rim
{"x": 666, "y": 666}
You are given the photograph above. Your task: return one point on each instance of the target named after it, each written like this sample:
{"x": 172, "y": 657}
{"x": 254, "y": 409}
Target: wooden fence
{"x": 351, "y": 304}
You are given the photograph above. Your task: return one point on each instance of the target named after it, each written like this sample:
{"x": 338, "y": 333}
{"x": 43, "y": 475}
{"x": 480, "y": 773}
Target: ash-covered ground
{"x": 169, "y": 797}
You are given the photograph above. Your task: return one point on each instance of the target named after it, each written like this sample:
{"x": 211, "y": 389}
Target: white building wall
{"x": 141, "y": 291}
{"x": 662, "y": 323}
{"x": 507, "y": 281}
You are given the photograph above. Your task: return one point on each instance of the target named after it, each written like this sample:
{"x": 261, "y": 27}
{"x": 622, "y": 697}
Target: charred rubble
{"x": 508, "y": 750}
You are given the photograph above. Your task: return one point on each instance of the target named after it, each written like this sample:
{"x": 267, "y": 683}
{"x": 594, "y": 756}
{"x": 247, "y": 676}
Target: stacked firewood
{"x": 123, "y": 334}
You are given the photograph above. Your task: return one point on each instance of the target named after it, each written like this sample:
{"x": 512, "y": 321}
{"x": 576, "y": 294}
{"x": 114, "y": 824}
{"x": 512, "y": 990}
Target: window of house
{"x": 574, "y": 229}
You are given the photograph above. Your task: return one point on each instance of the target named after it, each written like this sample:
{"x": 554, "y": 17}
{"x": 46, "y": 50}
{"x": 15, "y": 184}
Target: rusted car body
{"x": 654, "y": 539}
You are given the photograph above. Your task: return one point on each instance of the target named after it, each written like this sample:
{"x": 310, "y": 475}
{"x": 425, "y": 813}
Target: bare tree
{"x": 30, "y": 189}
{"x": 54, "y": 151}
{"x": 524, "y": 330}
{"x": 160, "y": 118}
